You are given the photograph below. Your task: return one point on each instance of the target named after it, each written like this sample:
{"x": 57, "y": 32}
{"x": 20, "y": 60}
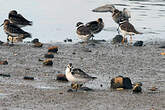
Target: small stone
{"x": 69, "y": 90}
{"x": 53, "y": 49}
{"x": 138, "y": 43}
{"x": 28, "y": 78}
{"x": 38, "y": 44}
{"x": 118, "y": 39}
{"x": 153, "y": 88}
{"x": 61, "y": 77}
{"x": 1, "y": 43}
{"x": 68, "y": 40}
{"x": 49, "y": 55}
{"x": 4, "y": 62}
{"x": 137, "y": 89}
{"x": 48, "y": 62}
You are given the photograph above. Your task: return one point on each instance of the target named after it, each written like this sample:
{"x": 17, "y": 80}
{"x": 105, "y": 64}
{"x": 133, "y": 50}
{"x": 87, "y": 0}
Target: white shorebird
{"x": 77, "y": 76}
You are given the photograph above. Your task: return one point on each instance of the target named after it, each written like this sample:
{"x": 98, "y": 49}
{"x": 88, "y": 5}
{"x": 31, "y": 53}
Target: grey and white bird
{"x": 127, "y": 29}
{"x": 18, "y": 19}
{"x": 14, "y": 31}
{"x": 83, "y": 32}
{"x": 95, "y": 26}
{"x": 77, "y": 76}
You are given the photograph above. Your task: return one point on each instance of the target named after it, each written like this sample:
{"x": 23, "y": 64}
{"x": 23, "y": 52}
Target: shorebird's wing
{"x": 126, "y": 26}
{"x": 19, "y": 19}
{"x": 83, "y": 30}
{"x": 126, "y": 13}
{"x": 78, "y": 73}
{"x": 104, "y": 8}
{"x": 93, "y": 25}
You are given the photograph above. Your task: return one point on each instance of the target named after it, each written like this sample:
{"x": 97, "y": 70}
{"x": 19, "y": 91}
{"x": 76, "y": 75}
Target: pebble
{"x": 48, "y": 62}
{"x": 61, "y": 77}
{"x": 53, "y": 49}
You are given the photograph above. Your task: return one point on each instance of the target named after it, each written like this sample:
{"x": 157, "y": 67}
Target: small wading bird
{"x": 77, "y": 76}
{"x": 117, "y": 15}
{"x": 127, "y": 29}
{"x": 95, "y": 26}
{"x": 14, "y": 31}
{"x": 83, "y": 32}
{"x": 18, "y": 19}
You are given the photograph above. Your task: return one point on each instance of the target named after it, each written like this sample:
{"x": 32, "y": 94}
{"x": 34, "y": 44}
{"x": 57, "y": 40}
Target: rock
{"x": 53, "y": 49}
{"x": 68, "y": 40}
{"x": 137, "y": 89}
{"x": 138, "y": 43}
{"x": 38, "y": 44}
{"x": 4, "y": 62}
{"x": 153, "y": 89}
{"x": 35, "y": 40}
{"x": 5, "y": 75}
{"x": 121, "y": 82}
{"x": 61, "y": 77}
{"x": 118, "y": 39}
{"x": 1, "y": 43}
{"x": 49, "y": 55}
{"x": 48, "y": 62}
{"x": 28, "y": 78}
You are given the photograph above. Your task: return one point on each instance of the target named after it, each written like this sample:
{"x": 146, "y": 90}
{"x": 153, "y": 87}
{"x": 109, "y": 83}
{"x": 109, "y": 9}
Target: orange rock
{"x": 48, "y": 62}
{"x": 53, "y": 49}
{"x": 163, "y": 53}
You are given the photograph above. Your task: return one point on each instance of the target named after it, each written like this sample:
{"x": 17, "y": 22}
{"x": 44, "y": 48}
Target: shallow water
{"x": 54, "y": 20}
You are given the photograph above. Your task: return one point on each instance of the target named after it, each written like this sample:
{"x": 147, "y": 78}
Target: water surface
{"x": 54, "y": 20}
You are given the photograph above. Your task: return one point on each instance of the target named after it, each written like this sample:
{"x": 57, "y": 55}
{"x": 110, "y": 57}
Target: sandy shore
{"x": 105, "y": 61}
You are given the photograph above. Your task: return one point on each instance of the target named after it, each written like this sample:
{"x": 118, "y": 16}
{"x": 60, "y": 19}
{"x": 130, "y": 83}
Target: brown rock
{"x": 121, "y": 82}
{"x": 48, "y": 62}
{"x": 49, "y": 55}
{"x": 61, "y": 77}
{"x": 53, "y": 49}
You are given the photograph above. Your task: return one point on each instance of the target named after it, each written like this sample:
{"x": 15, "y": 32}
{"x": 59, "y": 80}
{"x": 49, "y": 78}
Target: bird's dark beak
{"x": 1, "y": 24}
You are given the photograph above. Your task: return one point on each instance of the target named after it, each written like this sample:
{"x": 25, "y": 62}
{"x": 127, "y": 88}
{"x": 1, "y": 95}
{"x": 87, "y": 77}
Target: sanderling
{"x": 18, "y": 19}
{"x": 14, "y": 31}
{"x": 77, "y": 76}
{"x": 95, "y": 26}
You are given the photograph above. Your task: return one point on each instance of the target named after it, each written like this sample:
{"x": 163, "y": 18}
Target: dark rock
{"x": 48, "y": 62}
{"x": 5, "y": 75}
{"x": 118, "y": 39}
{"x": 49, "y": 55}
{"x": 121, "y": 82}
{"x": 61, "y": 77}
{"x": 138, "y": 43}
{"x": 35, "y": 40}
{"x": 1, "y": 43}
{"x": 137, "y": 89}
{"x": 4, "y": 62}
{"x": 53, "y": 49}
{"x": 68, "y": 40}
{"x": 28, "y": 78}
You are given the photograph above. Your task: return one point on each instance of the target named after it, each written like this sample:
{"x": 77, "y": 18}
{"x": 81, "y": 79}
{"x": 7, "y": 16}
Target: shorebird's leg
{"x": 7, "y": 38}
{"x": 123, "y": 39}
{"x": 130, "y": 39}
{"x": 118, "y": 30}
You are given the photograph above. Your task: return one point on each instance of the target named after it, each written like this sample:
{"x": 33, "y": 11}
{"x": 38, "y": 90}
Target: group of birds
{"x": 85, "y": 32}
{"x": 13, "y": 26}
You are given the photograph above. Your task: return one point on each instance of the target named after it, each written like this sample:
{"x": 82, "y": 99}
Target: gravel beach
{"x": 104, "y": 61}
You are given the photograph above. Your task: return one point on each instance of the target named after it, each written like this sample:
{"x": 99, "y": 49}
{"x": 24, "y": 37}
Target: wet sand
{"x": 105, "y": 61}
